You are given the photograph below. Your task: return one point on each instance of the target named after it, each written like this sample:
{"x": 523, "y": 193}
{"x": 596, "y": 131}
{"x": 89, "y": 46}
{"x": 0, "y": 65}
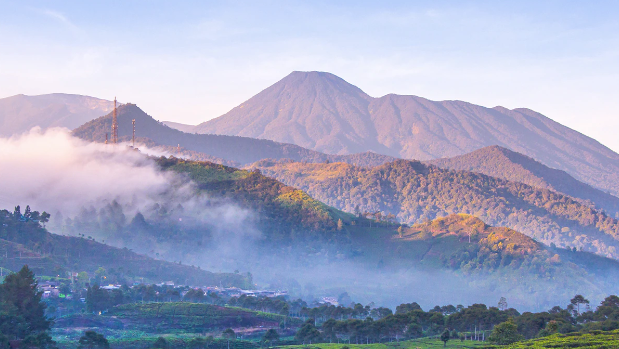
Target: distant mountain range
{"x": 20, "y": 113}
{"x": 322, "y": 112}
{"x": 223, "y": 149}
{"x": 503, "y": 163}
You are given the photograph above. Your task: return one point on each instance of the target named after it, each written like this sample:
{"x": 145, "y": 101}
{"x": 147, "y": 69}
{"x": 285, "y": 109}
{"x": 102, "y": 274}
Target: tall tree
{"x": 21, "y": 297}
{"x": 445, "y": 337}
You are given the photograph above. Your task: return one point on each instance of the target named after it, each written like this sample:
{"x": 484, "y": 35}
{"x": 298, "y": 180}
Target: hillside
{"x": 20, "y": 113}
{"x": 321, "y": 111}
{"x": 287, "y": 239}
{"x": 26, "y": 242}
{"x": 235, "y": 150}
{"x": 503, "y": 163}
{"x": 414, "y": 192}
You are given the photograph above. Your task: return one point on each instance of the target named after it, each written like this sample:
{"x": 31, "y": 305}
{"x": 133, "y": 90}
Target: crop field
{"x": 592, "y": 340}
{"x": 422, "y": 343}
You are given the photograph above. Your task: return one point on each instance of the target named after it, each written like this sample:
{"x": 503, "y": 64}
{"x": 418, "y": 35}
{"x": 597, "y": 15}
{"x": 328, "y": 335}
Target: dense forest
{"x": 415, "y": 192}
{"x": 503, "y": 163}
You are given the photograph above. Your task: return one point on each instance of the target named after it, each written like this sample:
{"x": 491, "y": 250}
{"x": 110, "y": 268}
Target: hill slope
{"x": 322, "y": 112}
{"x": 295, "y": 237}
{"x": 26, "y": 242}
{"x": 238, "y": 150}
{"x": 415, "y": 192}
{"x": 20, "y": 113}
{"x": 503, "y": 163}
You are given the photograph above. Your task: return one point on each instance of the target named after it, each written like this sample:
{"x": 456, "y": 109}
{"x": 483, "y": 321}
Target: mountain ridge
{"x": 20, "y": 113}
{"x": 321, "y": 111}
{"x": 233, "y": 149}
{"x": 506, "y": 164}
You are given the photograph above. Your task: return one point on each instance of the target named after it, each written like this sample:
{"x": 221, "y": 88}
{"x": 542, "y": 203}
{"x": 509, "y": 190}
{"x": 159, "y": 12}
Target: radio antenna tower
{"x": 133, "y": 138}
{"x": 114, "y": 125}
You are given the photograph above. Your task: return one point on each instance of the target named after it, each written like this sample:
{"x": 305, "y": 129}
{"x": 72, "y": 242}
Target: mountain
{"x": 414, "y": 192}
{"x": 24, "y": 241}
{"x": 503, "y": 163}
{"x": 20, "y": 113}
{"x": 181, "y": 127}
{"x": 236, "y": 150}
{"x": 321, "y": 111}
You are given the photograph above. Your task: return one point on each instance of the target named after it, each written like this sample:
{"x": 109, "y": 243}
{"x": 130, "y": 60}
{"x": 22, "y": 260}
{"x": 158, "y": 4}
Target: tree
{"x": 270, "y": 335}
{"x": 502, "y": 303}
{"x": 340, "y": 224}
{"x": 445, "y": 337}
{"x": 22, "y": 299}
{"x": 577, "y": 301}
{"x": 93, "y": 340}
{"x": 229, "y": 334}
{"x": 505, "y": 333}
{"x": 160, "y": 343}
{"x": 552, "y": 327}
{"x": 97, "y": 299}
{"x": 308, "y": 332}
{"x": 400, "y": 231}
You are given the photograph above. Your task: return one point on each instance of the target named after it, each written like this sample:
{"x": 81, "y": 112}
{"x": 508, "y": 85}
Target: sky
{"x": 189, "y": 61}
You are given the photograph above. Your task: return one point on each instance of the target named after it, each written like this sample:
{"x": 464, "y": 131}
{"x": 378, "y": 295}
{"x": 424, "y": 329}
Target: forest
{"x": 416, "y": 192}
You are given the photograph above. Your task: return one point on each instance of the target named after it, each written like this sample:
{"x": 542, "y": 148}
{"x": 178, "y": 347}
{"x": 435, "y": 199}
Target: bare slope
{"x": 322, "y": 112}
{"x": 503, "y": 163}
{"x": 228, "y": 149}
{"x": 20, "y": 113}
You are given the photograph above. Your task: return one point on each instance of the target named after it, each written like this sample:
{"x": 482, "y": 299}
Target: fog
{"x": 68, "y": 177}
{"x": 98, "y": 190}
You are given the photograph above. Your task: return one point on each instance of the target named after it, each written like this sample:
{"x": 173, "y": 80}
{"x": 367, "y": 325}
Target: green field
{"x": 592, "y": 340}
{"x": 422, "y": 343}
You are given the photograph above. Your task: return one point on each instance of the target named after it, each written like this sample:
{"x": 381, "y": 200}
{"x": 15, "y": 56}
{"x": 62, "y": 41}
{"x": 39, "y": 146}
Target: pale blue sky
{"x": 192, "y": 61}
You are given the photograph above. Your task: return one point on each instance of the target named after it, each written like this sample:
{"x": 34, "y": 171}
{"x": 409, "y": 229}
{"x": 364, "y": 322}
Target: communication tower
{"x": 133, "y": 138}
{"x": 114, "y": 125}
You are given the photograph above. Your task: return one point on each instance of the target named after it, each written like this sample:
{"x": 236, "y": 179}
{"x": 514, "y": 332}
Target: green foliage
{"x": 591, "y": 340}
{"x": 445, "y": 336}
{"x": 282, "y": 209}
{"x": 308, "y": 333}
{"x": 41, "y": 340}
{"x": 161, "y": 343}
{"x": 270, "y": 335}
{"x": 505, "y": 333}
{"x": 22, "y": 311}
{"x": 93, "y": 340}
{"x": 228, "y": 334}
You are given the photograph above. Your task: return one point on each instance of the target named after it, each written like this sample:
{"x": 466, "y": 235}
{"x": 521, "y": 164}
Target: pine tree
{"x": 19, "y": 293}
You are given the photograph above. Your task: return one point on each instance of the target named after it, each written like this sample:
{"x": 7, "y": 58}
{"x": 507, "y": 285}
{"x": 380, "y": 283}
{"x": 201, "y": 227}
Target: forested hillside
{"x": 23, "y": 240}
{"x": 415, "y": 192}
{"x": 503, "y": 163}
